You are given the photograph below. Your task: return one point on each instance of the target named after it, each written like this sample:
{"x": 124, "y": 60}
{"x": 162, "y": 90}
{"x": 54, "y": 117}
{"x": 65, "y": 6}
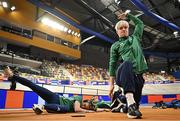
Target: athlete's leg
{"x": 44, "y": 93}
{"x": 56, "y": 108}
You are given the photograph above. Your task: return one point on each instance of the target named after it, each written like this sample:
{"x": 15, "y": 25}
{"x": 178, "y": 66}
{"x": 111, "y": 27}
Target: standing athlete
{"x": 129, "y": 74}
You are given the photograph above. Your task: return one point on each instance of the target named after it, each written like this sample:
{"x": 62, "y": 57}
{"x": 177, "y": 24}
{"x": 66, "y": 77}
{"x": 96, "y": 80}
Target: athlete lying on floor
{"x": 60, "y": 104}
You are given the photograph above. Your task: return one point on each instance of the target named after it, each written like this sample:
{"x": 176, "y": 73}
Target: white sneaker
{"x": 38, "y": 109}
{"x": 118, "y": 107}
{"x": 133, "y": 112}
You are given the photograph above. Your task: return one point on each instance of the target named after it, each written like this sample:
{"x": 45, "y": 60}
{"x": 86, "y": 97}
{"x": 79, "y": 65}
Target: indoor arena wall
{"x": 25, "y": 98}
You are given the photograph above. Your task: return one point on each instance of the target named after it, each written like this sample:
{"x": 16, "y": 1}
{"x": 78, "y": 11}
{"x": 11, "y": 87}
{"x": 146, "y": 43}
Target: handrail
{"x": 148, "y": 89}
{"x": 64, "y": 88}
{"x": 84, "y": 88}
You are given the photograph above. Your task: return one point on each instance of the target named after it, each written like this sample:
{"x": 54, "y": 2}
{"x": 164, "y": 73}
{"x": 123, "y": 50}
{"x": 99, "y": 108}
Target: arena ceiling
{"x": 100, "y": 16}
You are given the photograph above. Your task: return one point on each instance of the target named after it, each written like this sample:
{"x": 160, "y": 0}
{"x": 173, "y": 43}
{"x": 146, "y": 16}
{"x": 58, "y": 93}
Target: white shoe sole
{"x": 120, "y": 104}
{"x": 131, "y": 117}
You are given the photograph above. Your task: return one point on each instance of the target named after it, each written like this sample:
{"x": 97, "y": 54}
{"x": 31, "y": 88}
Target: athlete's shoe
{"x": 38, "y": 109}
{"x": 133, "y": 111}
{"x": 118, "y": 102}
{"x": 9, "y": 73}
{"x": 116, "y": 105}
{"x": 124, "y": 109}
{"x": 116, "y": 94}
{"x": 161, "y": 105}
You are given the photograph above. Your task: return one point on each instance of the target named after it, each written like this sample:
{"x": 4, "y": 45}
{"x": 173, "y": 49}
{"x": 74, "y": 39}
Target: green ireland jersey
{"x": 129, "y": 49}
{"x": 69, "y": 102}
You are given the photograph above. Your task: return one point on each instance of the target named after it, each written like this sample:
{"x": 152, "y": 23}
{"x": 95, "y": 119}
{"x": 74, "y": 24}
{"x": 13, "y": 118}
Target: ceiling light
{"x": 4, "y": 4}
{"x": 13, "y": 8}
{"x": 65, "y": 29}
{"x": 54, "y": 24}
{"x": 72, "y": 32}
{"x": 176, "y": 34}
{"x": 69, "y": 31}
{"x": 117, "y": 2}
{"x": 61, "y": 27}
{"x": 45, "y": 21}
{"x": 76, "y": 34}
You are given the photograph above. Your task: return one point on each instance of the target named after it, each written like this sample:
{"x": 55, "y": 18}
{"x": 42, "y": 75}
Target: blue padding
{"x": 94, "y": 83}
{"x": 30, "y": 98}
{"x": 169, "y": 96}
{"x": 105, "y": 98}
{"x": 60, "y": 94}
{"x": 144, "y": 99}
{"x": 103, "y": 83}
{"x": 54, "y": 82}
{"x": 80, "y": 95}
{"x": 70, "y": 95}
{"x": 155, "y": 16}
{"x": 64, "y": 82}
{"x": 2, "y": 98}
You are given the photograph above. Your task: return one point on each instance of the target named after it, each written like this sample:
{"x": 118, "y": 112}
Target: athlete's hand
{"x": 111, "y": 89}
{"x": 123, "y": 15}
{"x": 111, "y": 86}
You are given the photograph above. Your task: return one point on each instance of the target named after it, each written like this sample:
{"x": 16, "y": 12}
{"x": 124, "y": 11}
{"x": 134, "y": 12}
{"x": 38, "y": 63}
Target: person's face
{"x": 123, "y": 29}
{"x": 85, "y": 105}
